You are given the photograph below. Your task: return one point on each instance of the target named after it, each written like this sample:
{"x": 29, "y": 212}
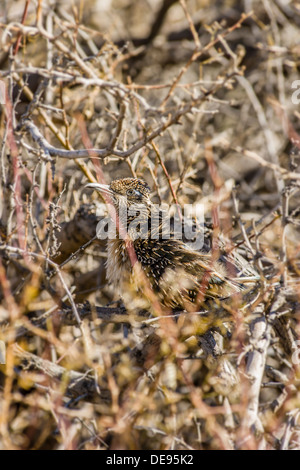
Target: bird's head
{"x": 127, "y": 195}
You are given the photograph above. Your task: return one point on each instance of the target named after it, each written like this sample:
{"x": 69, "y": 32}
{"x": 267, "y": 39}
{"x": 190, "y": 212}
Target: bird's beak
{"x": 99, "y": 187}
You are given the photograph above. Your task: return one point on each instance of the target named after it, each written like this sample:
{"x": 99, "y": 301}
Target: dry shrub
{"x": 197, "y": 98}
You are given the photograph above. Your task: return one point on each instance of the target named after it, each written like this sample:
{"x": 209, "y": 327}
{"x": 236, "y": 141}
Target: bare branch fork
{"x": 50, "y": 150}
{"x": 78, "y": 384}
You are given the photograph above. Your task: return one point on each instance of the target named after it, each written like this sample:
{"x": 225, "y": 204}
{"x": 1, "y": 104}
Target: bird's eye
{"x": 133, "y": 192}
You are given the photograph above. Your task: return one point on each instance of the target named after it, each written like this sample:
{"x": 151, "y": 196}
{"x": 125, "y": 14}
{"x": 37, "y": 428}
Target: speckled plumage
{"x": 177, "y": 274}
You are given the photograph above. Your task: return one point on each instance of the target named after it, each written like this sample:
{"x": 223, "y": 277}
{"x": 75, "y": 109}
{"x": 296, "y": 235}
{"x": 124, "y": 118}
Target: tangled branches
{"x": 201, "y": 108}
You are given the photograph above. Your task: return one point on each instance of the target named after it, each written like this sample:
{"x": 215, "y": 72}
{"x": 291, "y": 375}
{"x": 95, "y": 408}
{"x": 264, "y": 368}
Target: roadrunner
{"x": 178, "y": 276}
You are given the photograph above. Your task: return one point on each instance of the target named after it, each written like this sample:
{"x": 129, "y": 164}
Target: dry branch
{"x": 77, "y": 384}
